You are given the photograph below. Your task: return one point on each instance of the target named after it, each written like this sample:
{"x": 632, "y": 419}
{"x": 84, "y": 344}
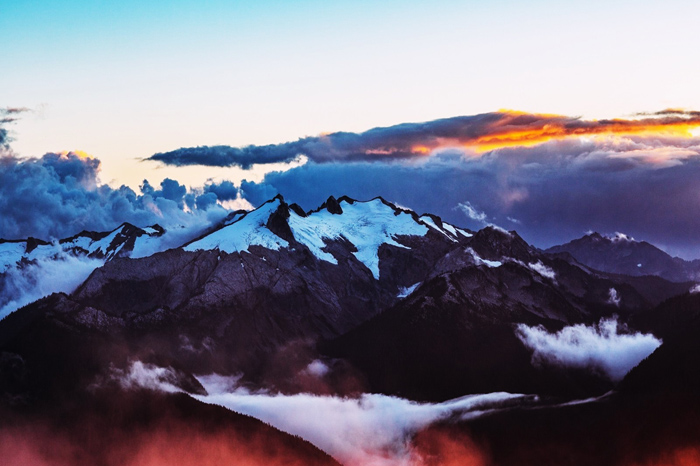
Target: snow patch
{"x": 431, "y": 223}
{"x": 466, "y": 234}
{"x": 367, "y": 225}
{"x": 10, "y": 254}
{"x": 695, "y": 289}
{"x": 479, "y": 261}
{"x": 617, "y": 237}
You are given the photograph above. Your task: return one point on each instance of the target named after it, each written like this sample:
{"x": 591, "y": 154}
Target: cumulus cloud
{"x": 599, "y": 347}
{"x": 415, "y": 140}
{"x": 60, "y": 194}
{"x": 471, "y": 212}
{"x": 150, "y": 376}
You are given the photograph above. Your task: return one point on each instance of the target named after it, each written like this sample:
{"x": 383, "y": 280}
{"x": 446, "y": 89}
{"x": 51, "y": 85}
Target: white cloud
{"x": 63, "y": 273}
{"x": 140, "y": 375}
{"x": 543, "y": 270}
{"x": 599, "y": 347}
{"x": 317, "y": 368}
{"x": 614, "y": 297}
{"x": 471, "y": 212}
{"x": 372, "y": 430}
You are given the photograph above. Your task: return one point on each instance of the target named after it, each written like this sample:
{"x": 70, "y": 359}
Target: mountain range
{"x": 349, "y": 299}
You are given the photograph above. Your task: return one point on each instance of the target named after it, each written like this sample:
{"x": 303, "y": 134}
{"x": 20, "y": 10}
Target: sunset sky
{"x": 123, "y": 81}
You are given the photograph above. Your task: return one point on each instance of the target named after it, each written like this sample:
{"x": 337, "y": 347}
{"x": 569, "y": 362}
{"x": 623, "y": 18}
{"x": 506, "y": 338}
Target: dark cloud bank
{"x": 415, "y": 140}
{"x": 550, "y": 193}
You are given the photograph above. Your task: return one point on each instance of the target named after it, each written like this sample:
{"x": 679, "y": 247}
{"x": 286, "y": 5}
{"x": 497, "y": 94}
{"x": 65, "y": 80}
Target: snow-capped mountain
{"x": 31, "y": 269}
{"x": 276, "y": 275}
{"x": 123, "y": 241}
{"x": 365, "y": 226}
{"x": 623, "y": 254}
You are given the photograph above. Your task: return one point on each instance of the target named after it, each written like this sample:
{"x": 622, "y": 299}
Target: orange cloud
{"x": 78, "y": 153}
{"x": 522, "y": 129}
{"x": 475, "y": 133}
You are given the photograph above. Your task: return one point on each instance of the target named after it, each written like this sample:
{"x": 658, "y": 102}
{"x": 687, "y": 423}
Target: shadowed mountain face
{"x": 380, "y": 298}
{"x": 621, "y": 254}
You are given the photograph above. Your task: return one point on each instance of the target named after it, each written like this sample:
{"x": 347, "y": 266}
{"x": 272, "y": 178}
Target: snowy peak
{"x": 246, "y": 230}
{"x": 121, "y": 241}
{"x": 364, "y": 225}
{"x": 495, "y": 244}
{"x": 332, "y": 206}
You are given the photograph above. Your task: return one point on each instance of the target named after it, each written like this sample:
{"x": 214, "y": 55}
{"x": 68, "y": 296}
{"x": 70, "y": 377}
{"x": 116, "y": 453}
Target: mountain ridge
{"x": 622, "y": 254}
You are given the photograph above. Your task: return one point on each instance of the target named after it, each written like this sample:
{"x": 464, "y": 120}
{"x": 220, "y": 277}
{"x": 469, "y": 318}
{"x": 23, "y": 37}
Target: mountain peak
{"x": 364, "y": 225}
{"x": 622, "y": 254}
{"x": 332, "y": 206}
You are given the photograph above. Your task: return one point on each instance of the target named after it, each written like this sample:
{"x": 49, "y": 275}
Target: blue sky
{"x": 123, "y": 80}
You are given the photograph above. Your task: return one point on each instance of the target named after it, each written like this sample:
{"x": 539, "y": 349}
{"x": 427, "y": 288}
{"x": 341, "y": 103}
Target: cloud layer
{"x": 480, "y": 133}
{"x": 21, "y": 286}
{"x": 599, "y": 347}
{"x": 371, "y": 430}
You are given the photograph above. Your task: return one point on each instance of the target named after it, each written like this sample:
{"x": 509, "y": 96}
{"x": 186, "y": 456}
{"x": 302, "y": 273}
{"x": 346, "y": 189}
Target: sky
{"x": 122, "y": 81}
